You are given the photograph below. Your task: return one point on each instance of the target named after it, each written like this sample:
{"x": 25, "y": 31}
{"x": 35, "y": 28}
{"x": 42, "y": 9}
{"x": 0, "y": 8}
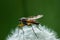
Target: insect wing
{"x": 35, "y": 17}
{"x": 39, "y": 16}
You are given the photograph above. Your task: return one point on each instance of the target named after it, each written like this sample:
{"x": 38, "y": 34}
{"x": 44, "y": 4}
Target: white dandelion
{"x": 32, "y": 33}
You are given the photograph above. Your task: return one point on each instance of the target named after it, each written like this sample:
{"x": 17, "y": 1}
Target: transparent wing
{"x": 35, "y": 17}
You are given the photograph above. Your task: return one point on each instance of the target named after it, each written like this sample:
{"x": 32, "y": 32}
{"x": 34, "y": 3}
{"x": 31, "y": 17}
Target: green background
{"x": 12, "y": 10}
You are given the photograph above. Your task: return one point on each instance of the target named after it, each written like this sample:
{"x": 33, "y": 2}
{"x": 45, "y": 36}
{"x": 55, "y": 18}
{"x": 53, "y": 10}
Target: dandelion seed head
{"x": 43, "y": 33}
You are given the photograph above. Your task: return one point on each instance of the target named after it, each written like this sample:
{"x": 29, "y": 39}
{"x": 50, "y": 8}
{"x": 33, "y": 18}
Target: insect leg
{"x": 18, "y": 34}
{"x": 19, "y": 28}
{"x": 23, "y": 33}
{"x": 34, "y": 32}
{"x": 38, "y": 27}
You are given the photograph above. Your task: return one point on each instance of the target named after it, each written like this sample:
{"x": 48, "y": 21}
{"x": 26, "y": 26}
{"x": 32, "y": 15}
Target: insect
{"x": 29, "y": 21}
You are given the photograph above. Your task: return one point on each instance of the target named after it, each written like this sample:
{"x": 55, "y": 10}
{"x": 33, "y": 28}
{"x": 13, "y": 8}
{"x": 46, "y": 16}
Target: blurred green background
{"x": 12, "y": 10}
